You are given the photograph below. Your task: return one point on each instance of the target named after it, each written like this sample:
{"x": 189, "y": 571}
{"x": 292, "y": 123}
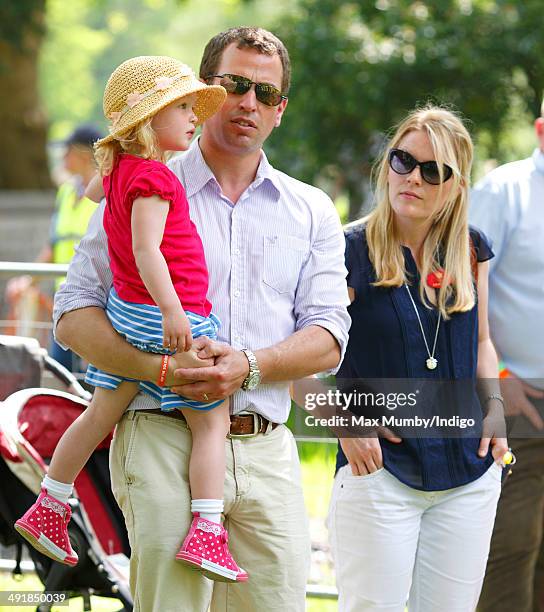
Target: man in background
{"x": 508, "y": 205}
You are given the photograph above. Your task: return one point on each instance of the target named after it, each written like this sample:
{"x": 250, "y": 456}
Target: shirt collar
{"x": 538, "y": 159}
{"x": 198, "y": 173}
{"x": 266, "y": 172}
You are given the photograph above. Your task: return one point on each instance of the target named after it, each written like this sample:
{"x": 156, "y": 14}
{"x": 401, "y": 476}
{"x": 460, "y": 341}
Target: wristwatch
{"x": 254, "y": 375}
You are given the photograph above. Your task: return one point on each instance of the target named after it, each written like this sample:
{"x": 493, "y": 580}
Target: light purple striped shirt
{"x": 275, "y": 261}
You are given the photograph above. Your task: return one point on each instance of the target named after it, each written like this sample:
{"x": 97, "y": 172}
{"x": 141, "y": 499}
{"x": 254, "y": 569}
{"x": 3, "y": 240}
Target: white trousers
{"x": 392, "y": 543}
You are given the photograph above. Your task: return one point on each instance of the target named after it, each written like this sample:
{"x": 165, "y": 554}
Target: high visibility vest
{"x": 70, "y": 223}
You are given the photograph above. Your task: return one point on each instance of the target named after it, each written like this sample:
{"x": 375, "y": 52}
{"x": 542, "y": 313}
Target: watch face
{"x": 253, "y": 381}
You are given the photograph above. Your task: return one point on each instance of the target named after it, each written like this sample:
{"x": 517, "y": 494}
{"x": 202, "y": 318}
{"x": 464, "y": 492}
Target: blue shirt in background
{"x": 508, "y": 205}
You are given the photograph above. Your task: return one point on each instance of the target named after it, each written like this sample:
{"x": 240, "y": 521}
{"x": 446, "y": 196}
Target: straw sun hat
{"x": 141, "y": 86}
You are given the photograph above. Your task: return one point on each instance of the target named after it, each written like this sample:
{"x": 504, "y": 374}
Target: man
{"x": 508, "y": 206}
{"x": 275, "y": 253}
{"x": 69, "y": 222}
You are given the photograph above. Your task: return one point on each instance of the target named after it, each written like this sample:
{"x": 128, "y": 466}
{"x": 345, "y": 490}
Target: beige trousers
{"x": 264, "y": 510}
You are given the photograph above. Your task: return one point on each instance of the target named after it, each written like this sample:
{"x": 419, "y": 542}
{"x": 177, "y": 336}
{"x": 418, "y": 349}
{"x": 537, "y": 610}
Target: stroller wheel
{"x": 78, "y": 542}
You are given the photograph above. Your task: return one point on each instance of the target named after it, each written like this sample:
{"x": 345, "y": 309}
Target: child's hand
{"x": 176, "y": 330}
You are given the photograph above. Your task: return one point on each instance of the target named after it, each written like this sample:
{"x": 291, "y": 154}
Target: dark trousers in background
{"x": 514, "y": 578}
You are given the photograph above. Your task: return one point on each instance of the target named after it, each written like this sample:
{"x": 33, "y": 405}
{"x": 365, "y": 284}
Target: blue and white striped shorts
{"x": 141, "y": 325}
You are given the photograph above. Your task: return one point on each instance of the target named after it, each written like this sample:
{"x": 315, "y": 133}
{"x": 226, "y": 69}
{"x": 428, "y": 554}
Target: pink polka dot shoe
{"x": 45, "y": 526}
{"x": 206, "y": 548}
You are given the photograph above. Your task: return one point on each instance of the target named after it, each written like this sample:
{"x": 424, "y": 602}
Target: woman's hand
{"x": 176, "y": 330}
{"x": 365, "y": 454}
{"x": 494, "y": 434}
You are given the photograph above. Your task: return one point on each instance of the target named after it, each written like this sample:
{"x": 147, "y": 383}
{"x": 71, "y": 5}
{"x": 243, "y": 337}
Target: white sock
{"x": 209, "y": 509}
{"x": 59, "y": 490}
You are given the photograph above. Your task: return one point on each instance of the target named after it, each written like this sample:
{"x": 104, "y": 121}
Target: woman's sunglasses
{"x": 239, "y": 85}
{"x": 402, "y": 162}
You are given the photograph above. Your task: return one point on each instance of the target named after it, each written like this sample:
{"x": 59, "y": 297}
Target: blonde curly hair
{"x": 140, "y": 140}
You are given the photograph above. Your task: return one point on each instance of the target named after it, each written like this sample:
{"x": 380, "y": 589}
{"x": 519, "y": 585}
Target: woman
{"x": 412, "y": 518}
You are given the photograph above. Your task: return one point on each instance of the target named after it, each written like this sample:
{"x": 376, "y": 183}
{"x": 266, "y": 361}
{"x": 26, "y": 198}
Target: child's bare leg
{"x": 207, "y": 463}
{"x": 206, "y": 545}
{"x": 45, "y": 523}
{"x": 88, "y": 430}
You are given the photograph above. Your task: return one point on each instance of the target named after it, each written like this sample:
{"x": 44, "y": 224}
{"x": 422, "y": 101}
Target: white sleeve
{"x": 322, "y": 296}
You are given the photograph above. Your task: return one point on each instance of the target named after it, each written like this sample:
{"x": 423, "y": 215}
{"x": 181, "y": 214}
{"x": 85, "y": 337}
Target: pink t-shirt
{"x": 134, "y": 177}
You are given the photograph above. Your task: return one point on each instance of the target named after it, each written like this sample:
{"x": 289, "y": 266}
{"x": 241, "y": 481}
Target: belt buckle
{"x": 256, "y": 426}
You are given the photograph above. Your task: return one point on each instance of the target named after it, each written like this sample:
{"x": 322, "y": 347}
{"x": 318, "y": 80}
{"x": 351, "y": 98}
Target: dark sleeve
{"x": 353, "y": 259}
{"x": 153, "y": 181}
{"x": 481, "y": 244}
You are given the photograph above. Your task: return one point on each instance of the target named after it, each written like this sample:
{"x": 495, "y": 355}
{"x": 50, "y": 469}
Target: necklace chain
{"x": 431, "y": 361}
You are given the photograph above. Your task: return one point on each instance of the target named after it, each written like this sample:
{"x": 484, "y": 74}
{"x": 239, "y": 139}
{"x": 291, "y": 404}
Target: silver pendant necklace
{"x": 431, "y": 362}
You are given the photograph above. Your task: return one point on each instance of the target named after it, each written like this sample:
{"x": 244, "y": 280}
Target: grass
{"x": 317, "y": 465}
{"x": 31, "y": 582}
{"x": 320, "y": 605}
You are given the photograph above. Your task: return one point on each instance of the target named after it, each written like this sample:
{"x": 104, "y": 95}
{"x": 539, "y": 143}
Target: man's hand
{"x": 494, "y": 434}
{"x": 216, "y": 382}
{"x": 196, "y": 357}
{"x": 365, "y": 454}
{"x": 516, "y": 395}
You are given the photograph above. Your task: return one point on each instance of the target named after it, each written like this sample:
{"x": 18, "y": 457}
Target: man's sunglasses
{"x": 402, "y": 162}
{"x": 239, "y": 85}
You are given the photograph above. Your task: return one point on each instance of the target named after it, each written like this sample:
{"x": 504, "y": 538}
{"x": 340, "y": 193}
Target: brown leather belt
{"x": 242, "y": 425}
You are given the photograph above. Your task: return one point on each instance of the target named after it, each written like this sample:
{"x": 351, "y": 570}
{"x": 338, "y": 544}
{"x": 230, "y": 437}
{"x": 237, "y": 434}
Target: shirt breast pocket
{"x": 283, "y": 257}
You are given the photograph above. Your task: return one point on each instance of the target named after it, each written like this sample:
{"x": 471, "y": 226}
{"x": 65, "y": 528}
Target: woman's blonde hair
{"x": 447, "y": 244}
{"x": 140, "y": 140}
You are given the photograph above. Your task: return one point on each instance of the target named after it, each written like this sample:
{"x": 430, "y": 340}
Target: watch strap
{"x": 254, "y": 370}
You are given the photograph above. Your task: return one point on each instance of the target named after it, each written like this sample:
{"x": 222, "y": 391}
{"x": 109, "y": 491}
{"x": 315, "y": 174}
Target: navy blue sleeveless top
{"x": 385, "y": 341}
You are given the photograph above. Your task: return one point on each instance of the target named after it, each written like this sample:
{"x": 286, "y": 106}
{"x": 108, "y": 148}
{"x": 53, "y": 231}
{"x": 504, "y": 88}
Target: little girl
{"x": 157, "y": 302}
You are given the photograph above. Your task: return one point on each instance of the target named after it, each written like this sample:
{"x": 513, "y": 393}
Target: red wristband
{"x": 163, "y": 370}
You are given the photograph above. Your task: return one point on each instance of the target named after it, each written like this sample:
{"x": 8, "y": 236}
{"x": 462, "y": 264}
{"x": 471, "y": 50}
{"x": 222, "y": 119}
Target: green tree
{"x": 359, "y": 66}
{"x": 57, "y": 55}
{"x": 23, "y": 162}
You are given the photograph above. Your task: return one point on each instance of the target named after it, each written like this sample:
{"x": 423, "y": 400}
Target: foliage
{"x": 68, "y": 57}
{"x": 359, "y": 66}
{"x": 87, "y": 39}
{"x": 17, "y": 17}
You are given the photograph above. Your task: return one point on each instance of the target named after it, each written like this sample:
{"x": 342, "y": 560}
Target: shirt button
{"x": 237, "y": 251}
{"x": 237, "y": 293}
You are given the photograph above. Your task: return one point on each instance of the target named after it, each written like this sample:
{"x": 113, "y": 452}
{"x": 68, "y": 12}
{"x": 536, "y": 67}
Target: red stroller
{"x": 31, "y": 423}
